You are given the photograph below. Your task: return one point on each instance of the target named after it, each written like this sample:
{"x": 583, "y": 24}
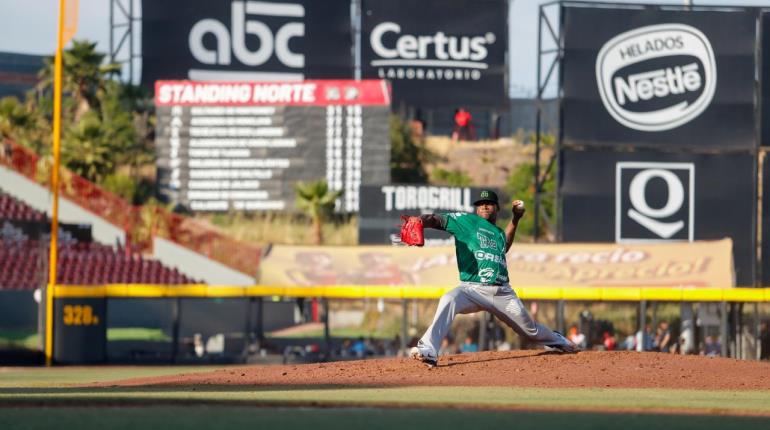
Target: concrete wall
{"x": 18, "y": 310}
{"x": 198, "y": 266}
{"x": 39, "y": 198}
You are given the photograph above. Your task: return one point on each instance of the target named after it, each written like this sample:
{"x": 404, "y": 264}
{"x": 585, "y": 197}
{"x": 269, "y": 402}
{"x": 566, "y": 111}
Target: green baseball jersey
{"x": 480, "y": 248}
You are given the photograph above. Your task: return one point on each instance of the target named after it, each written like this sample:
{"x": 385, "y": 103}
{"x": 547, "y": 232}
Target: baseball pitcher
{"x": 480, "y": 247}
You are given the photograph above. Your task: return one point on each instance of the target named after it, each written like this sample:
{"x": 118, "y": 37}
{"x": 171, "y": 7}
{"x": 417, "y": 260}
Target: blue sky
{"x": 29, "y": 26}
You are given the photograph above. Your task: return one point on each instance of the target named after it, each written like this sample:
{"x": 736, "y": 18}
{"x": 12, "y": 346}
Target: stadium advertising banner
{"x": 658, "y": 78}
{"x": 697, "y": 264}
{"x": 243, "y": 145}
{"x": 382, "y": 206}
{"x": 653, "y": 197}
{"x": 274, "y": 40}
{"x": 681, "y": 264}
{"x": 437, "y": 53}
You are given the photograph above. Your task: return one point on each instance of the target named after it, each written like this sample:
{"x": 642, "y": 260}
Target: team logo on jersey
{"x": 486, "y": 274}
{"x": 486, "y": 242}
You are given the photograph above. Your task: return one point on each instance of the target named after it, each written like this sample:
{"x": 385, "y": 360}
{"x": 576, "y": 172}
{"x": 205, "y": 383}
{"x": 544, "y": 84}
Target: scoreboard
{"x": 242, "y": 146}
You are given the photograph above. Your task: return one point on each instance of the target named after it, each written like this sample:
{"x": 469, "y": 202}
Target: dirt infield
{"x": 513, "y": 368}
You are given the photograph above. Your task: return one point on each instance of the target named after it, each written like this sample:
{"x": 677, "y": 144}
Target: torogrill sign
{"x": 383, "y": 205}
{"x": 276, "y": 40}
{"x": 656, "y": 197}
{"x": 658, "y": 78}
{"x": 437, "y": 53}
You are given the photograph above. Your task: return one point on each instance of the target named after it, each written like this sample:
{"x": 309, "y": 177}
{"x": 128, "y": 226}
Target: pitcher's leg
{"x": 509, "y": 308}
{"x": 457, "y": 301}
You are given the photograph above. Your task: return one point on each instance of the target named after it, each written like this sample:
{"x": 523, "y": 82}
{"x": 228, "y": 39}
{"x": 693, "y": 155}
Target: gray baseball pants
{"x": 501, "y": 301}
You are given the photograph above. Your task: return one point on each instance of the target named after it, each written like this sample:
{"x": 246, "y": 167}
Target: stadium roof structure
{"x": 18, "y": 73}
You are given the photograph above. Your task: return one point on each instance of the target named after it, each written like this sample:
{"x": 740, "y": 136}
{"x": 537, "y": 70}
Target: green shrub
{"x": 455, "y": 178}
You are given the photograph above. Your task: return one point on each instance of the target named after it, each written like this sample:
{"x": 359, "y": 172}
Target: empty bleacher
{"x": 13, "y": 209}
{"x": 24, "y": 255}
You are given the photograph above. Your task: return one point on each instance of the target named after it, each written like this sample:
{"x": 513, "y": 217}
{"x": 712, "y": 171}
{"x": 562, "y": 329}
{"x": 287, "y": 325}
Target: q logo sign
{"x": 654, "y": 202}
{"x": 658, "y": 77}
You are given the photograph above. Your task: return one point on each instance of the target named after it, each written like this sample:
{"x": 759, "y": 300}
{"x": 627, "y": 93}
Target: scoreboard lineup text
{"x": 243, "y": 146}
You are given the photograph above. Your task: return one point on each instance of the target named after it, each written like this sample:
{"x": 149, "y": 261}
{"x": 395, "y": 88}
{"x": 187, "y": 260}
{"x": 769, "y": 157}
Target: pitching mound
{"x": 512, "y": 368}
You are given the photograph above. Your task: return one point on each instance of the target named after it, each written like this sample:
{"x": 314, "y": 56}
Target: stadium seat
{"x": 24, "y": 261}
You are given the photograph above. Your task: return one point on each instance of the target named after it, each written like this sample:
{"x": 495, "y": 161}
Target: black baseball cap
{"x": 486, "y": 196}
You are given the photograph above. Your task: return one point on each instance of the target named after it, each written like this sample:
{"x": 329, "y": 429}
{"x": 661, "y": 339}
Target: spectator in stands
{"x": 712, "y": 347}
{"x": 447, "y": 347}
{"x": 609, "y": 341}
{"x": 469, "y": 345}
{"x": 346, "y": 348}
{"x": 417, "y": 126}
{"x": 662, "y": 340}
{"x": 644, "y": 339}
{"x": 503, "y": 345}
{"x": 764, "y": 340}
{"x": 373, "y": 347}
{"x": 359, "y": 347}
{"x": 394, "y": 346}
{"x": 577, "y": 337}
{"x": 464, "y": 128}
{"x": 628, "y": 344}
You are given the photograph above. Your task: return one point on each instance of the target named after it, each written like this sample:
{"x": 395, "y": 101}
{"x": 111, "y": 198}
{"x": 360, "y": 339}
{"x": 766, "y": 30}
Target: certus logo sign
{"x": 233, "y": 42}
{"x": 654, "y": 201}
{"x": 436, "y": 56}
{"x": 658, "y": 77}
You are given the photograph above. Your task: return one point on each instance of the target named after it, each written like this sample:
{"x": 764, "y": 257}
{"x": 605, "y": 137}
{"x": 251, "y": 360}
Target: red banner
{"x": 370, "y": 92}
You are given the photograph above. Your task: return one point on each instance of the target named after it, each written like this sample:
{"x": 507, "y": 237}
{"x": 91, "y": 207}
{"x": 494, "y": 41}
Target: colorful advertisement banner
{"x": 681, "y": 264}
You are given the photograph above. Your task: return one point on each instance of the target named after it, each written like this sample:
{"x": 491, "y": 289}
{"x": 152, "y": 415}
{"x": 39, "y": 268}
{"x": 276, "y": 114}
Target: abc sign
{"x": 235, "y": 39}
{"x": 654, "y": 201}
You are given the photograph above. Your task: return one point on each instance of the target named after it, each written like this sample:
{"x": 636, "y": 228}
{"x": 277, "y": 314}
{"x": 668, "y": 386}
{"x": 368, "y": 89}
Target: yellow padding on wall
{"x": 581, "y": 293}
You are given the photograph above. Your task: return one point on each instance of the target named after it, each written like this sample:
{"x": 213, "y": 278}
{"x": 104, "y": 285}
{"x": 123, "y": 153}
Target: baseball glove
{"x": 412, "y": 231}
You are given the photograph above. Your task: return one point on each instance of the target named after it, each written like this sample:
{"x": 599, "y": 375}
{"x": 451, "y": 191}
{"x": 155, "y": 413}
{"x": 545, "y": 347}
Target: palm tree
{"x": 23, "y": 123}
{"x": 317, "y": 201}
{"x": 99, "y": 127}
{"x": 83, "y": 75}
{"x": 13, "y": 116}
{"x": 87, "y": 149}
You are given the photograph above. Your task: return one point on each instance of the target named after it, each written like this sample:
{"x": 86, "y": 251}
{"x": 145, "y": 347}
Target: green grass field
{"x": 47, "y": 398}
{"x": 19, "y": 339}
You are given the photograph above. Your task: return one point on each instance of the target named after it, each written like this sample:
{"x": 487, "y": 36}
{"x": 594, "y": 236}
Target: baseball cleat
{"x": 417, "y": 355}
{"x": 565, "y": 346}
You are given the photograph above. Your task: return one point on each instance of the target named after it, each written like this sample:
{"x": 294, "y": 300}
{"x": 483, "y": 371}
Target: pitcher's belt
{"x": 479, "y": 284}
